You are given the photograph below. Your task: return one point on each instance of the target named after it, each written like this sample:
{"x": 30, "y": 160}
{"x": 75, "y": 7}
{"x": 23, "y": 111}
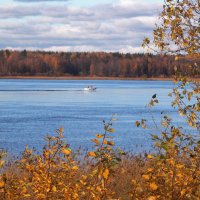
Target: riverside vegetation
{"x": 170, "y": 171}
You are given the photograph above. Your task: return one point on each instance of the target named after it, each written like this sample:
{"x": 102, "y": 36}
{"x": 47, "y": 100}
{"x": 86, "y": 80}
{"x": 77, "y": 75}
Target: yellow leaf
{"x": 92, "y": 154}
{"x": 153, "y": 186}
{"x": 164, "y": 124}
{"x": 111, "y": 130}
{"x": 75, "y": 168}
{"x": 133, "y": 182}
{"x": 106, "y": 173}
{"x": 149, "y": 156}
{"x": 105, "y": 142}
{"x": 179, "y": 166}
{"x": 54, "y": 189}
{"x": 24, "y": 190}
{"x": 98, "y": 188}
{"x": 183, "y": 192}
{"x": 146, "y": 177}
{"x": 152, "y": 198}
{"x": 84, "y": 177}
{"x": 180, "y": 175}
{"x": 139, "y": 189}
{"x": 96, "y": 141}
{"x": 150, "y": 169}
{"x": 41, "y": 196}
{"x": 170, "y": 161}
{"x": 26, "y": 195}
{"x": 67, "y": 151}
{"x": 99, "y": 136}
{"x": 2, "y": 184}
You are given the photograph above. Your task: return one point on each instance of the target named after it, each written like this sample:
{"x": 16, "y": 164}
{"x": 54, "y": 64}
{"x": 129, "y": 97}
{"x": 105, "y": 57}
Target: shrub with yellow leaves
{"x": 174, "y": 168}
{"x": 104, "y": 159}
{"x": 172, "y": 171}
{"x": 45, "y": 176}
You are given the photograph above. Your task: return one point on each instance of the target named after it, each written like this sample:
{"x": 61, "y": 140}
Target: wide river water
{"x": 30, "y": 109}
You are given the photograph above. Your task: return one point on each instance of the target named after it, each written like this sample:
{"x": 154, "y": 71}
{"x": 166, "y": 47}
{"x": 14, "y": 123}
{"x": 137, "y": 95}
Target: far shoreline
{"x": 85, "y": 78}
{"x": 90, "y": 78}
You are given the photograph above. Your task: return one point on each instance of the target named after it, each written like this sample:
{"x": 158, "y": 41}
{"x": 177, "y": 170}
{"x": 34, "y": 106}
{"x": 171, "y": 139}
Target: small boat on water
{"x": 90, "y": 88}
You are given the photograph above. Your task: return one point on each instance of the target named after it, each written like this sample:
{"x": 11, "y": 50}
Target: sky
{"x": 77, "y": 25}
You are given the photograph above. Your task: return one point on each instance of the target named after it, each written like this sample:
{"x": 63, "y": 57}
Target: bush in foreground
{"x": 172, "y": 172}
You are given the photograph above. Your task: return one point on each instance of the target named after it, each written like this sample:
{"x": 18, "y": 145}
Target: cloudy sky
{"x": 77, "y": 25}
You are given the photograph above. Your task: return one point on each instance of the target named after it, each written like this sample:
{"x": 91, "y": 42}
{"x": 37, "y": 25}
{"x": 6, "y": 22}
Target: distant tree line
{"x": 34, "y": 63}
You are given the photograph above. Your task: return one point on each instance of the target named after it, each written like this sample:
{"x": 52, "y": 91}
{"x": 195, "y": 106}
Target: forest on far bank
{"x": 102, "y": 64}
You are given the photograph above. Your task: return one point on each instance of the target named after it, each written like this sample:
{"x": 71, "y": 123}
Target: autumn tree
{"x": 178, "y": 30}
{"x": 178, "y": 151}
{"x": 178, "y": 33}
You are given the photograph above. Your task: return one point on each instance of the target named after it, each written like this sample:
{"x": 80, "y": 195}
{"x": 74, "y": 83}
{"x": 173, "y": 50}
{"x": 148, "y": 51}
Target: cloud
{"x": 119, "y": 26}
{"x": 83, "y": 48}
{"x": 35, "y": 1}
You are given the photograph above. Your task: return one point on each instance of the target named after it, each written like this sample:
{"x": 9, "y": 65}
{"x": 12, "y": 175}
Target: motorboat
{"x": 90, "y": 88}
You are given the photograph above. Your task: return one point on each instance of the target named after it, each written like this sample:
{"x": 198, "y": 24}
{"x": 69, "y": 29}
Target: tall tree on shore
{"x": 179, "y": 34}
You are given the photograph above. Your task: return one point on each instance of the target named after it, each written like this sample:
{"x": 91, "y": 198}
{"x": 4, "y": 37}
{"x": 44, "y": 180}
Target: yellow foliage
{"x": 149, "y": 156}
{"x": 96, "y": 141}
{"x": 75, "y": 168}
{"x": 111, "y": 130}
{"x": 183, "y": 192}
{"x": 152, "y": 198}
{"x": 54, "y": 189}
{"x": 99, "y": 136}
{"x": 92, "y": 154}
{"x": 153, "y": 186}
{"x": 106, "y": 173}
{"x": 66, "y": 151}
{"x": 2, "y": 184}
{"x": 145, "y": 176}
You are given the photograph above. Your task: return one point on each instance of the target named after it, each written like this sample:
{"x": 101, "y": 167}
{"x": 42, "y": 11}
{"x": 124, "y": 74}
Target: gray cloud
{"x": 109, "y": 27}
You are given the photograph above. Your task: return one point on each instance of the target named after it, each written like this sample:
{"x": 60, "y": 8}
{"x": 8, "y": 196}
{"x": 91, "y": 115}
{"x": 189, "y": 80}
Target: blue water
{"x": 30, "y": 109}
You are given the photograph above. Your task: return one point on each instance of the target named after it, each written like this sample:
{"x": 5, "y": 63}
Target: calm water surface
{"x": 30, "y": 109}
